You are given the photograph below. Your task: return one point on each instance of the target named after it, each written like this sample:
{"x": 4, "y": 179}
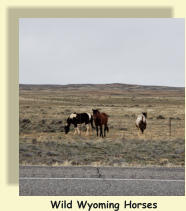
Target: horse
{"x": 79, "y": 118}
{"x": 141, "y": 122}
{"x": 100, "y": 119}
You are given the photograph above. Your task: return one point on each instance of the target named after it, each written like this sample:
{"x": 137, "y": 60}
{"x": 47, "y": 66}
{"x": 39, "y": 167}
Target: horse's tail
{"x": 91, "y": 122}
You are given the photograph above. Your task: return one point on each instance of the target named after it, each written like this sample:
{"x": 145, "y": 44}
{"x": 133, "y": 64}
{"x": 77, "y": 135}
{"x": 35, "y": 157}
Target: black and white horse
{"x": 79, "y": 118}
{"x": 141, "y": 121}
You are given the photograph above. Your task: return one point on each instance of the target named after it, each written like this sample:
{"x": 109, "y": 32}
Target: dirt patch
{"x": 44, "y": 125}
{"x": 160, "y": 117}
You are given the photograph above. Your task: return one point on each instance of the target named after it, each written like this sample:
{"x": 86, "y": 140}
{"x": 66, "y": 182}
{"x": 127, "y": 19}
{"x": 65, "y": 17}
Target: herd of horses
{"x": 100, "y": 120}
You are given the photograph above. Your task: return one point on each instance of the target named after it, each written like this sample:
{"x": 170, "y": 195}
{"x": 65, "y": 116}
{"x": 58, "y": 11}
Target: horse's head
{"x": 67, "y": 125}
{"x": 145, "y": 114}
{"x": 67, "y": 128}
{"x": 95, "y": 111}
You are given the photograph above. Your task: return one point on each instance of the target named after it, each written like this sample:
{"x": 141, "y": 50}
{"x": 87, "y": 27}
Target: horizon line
{"x": 99, "y": 84}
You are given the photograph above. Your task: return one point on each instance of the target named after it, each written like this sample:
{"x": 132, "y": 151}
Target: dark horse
{"x": 100, "y": 119}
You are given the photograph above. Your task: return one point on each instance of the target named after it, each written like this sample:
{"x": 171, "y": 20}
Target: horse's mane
{"x": 101, "y": 113}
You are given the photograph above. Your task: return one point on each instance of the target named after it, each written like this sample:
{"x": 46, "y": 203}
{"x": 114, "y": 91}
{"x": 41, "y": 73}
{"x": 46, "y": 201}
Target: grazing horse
{"x": 100, "y": 119}
{"x": 79, "y": 118}
{"x": 141, "y": 122}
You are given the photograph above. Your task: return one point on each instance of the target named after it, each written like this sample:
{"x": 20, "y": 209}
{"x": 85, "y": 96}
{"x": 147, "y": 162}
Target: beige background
{"x": 10, "y": 12}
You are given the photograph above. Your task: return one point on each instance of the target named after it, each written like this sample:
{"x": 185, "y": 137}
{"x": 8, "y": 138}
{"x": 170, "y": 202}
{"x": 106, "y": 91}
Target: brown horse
{"x": 100, "y": 119}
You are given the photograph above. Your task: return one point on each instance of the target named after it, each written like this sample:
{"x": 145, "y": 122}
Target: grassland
{"x": 44, "y": 109}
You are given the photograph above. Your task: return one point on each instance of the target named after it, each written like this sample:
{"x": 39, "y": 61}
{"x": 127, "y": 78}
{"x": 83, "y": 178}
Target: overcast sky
{"x": 94, "y": 50}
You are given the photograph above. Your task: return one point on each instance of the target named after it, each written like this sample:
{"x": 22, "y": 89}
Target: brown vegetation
{"x": 44, "y": 109}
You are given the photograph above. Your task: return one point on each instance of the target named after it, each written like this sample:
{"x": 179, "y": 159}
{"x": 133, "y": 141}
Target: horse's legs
{"x": 87, "y": 131}
{"x": 105, "y": 126}
{"x": 101, "y": 131}
{"x": 97, "y": 129}
{"x": 138, "y": 129}
{"x": 90, "y": 129}
{"x": 75, "y": 129}
{"x": 79, "y": 132}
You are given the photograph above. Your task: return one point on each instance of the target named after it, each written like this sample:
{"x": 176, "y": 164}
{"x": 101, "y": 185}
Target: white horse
{"x": 141, "y": 122}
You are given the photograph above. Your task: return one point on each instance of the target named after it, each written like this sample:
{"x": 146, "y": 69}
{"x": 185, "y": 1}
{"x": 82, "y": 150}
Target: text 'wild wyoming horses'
{"x": 79, "y": 118}
{"x": 100, "y": 119}
{"x": 141, "y": 121}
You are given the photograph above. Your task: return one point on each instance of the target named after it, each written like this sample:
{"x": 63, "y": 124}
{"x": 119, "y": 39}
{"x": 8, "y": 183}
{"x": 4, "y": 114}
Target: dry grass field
{"x": 44, "y": 109}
